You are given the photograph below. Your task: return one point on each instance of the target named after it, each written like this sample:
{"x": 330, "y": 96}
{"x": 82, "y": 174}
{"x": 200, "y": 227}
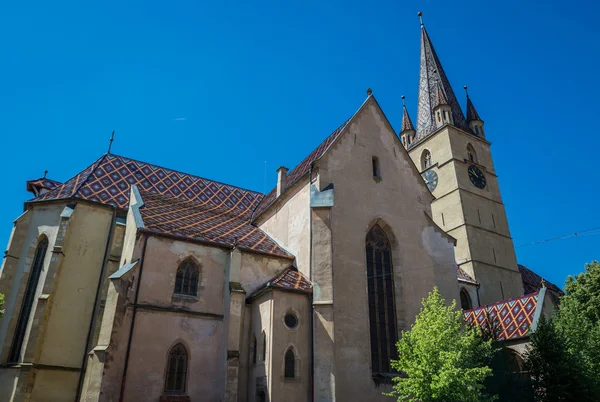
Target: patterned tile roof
{"x": 300, "y": 170}
{"x": 431, "y": 75}
{"x": 109, "y": 179}
{"x": 471, "y": 112}
{"x": 510, "y": 319}
{"x": 463, "y": 276}
{"x": 290, "y": 279}
{"x": 205, "y": 222}
{"x": 532, "y": 282}
{"x": 43, "y": 183}
{"x": 440, "y": 97}
{"x": 407, "y": 123}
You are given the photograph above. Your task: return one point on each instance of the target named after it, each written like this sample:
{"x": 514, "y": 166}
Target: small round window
{"x": 291, "y": 321}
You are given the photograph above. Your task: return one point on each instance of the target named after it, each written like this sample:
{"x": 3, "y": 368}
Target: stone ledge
{"x": 174, "y": 398}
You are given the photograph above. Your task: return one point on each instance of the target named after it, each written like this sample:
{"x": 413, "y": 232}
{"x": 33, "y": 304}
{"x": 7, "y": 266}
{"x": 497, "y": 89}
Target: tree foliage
{"x": 1, "y": 305}
{"x": 439, "y": 359}
{"x": 556, "y": 373}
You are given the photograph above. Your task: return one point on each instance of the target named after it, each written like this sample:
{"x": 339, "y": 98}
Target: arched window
{"x": 186, "y": 281}
{"x": 289, "y": 370}
{"x": 262, "y": 397}
{"x": 472, "y": 156}
{"x": 264, "y": 346}
{"x": 382, "y": 314}
{"x": 254, "y": 350}
{"x": 465, "y": 300}
{"x": 176, "y": 370}
{"x": 425, "y": 160}
{"x": 28, "y": 299}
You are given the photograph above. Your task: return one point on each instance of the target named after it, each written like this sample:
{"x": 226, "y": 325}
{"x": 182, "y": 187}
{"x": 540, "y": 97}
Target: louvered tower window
{"x": 186, "y": 281}
{"x": 382, "y": 314}
{"x": 176, "y": 370}
{"x": 32, "y": 283}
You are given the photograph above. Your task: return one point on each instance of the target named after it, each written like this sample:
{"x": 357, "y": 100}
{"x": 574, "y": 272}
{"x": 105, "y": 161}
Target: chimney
{"x": 281, "y": 179}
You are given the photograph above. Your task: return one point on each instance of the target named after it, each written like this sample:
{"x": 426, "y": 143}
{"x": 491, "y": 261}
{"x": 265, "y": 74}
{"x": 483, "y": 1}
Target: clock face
{"x": 431, "y": 179}
{"x": 477, "y": 177}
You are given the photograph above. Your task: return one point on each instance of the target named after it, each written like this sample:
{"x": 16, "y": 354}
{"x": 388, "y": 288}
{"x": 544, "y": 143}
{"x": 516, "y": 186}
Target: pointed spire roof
{"x": 432, "y": 75}
{"x": 471, "y": 112}
{"x": 407, "y": 123}
{"x": 440, "y": 96}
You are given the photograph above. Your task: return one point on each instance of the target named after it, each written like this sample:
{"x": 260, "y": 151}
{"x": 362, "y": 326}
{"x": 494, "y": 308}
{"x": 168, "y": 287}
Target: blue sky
{"x": 218, "y": 88}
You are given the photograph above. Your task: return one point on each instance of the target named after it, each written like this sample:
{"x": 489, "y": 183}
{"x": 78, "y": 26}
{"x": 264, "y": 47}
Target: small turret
{"x": 442, "y": 111}
{"x": 407, "y": 132}
{"x": 473, "y": 120}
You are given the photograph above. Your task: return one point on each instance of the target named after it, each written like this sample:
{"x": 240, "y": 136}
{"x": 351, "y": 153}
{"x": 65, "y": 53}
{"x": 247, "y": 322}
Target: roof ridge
{"x": 187, "y": 174}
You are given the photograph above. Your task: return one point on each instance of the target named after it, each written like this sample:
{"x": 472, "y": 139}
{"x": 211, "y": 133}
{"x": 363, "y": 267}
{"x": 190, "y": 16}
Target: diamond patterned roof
{"x": 176, "y": 203}
{"x": 216, "y": 224}
{"x": 407, "y": 123}
{"x": 301, "y": 169}
{"x": 109, "y": 179}
{"x": 471, "y": 112}
{"x": 512, "y": 318}
{"x": 292, "y": 279}
{"x": 43, "y": 183}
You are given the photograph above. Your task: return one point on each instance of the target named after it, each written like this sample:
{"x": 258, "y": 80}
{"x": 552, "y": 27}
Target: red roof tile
{"x": 292, "y": 279}
{"x": 193, "y": 220}
{"x": 300, "y": 170}
{"x": 511, "y": 318}
{"x": 43, "y": 183}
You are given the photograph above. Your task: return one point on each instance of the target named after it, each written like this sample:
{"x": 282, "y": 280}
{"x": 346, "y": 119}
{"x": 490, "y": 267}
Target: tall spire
{"x": 471, "y": 112}
{"x": 407, "y": 123}
{"x": 432, "y": 76}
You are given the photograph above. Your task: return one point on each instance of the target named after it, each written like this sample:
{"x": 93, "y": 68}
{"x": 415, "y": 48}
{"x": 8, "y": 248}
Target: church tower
{"x": 455, "y": 160}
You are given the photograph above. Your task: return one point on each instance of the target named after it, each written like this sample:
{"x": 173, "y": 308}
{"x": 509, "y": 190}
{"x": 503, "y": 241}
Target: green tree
{"x": 439, "y": 359}
{"x": 1, "y": 305}
{"x": 556, "y": 373}
{"x": 578, "y": 320}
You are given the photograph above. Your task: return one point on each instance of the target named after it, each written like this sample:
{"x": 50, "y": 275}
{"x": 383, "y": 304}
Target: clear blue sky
{"x": 218, "y": 88}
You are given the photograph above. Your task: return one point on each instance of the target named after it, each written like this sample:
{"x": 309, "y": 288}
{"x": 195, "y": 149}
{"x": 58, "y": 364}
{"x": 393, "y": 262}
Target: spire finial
{"x": 369, "y": 91}
{"x": 403, "y": 101}
{"x": 45, "y": 173}
{"x": 543, "y": 283}
{"x": 466, "y": 90}
{"x": 112, "y": 138}
{"x": 420, "y": 14}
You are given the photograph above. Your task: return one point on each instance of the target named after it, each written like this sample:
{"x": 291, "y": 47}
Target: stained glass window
{"x": 28, "y": 299}
{"x": 382, "y": 313}
{"x": 186, "y": 281}
{"x": 176, "y": 370}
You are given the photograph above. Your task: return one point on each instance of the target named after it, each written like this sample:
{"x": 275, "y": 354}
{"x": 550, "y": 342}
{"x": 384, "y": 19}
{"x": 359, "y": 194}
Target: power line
{"x": 574, "y": 234}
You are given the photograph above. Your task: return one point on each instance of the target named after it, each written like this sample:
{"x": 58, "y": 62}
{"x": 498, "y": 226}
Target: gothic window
{"x": 254, "y": 350}
{"x": 445, "y": 115}
{"x": 186, "y": 281}
{"x": 376, "y": 170}
{"x": 289, "y": 370}
{"x": 471, "y": 153}
{"x": 465, "y": 300}
{"x": 262, "y": 397}
{"x": 425, "y": 160}
{"x": 176, "y": 370}
{"x": 264, "y": 346}
{"x": 28, "y": 299}
{"x": 382, "y": 314}
{"x": 477, "y": 130}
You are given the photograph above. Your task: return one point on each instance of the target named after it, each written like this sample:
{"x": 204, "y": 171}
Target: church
{"x": 134, "y": 282}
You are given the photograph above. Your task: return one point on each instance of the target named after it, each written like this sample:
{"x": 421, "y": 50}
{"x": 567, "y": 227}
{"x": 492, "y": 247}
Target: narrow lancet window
{"x": 290, "y": 364}
{"x": 465, "y": 300}
{"x": 28, "y": 299}
{"x": 176, "y": 370}
{"x": 382, "y": 314}
{"x": 425, "y": 160}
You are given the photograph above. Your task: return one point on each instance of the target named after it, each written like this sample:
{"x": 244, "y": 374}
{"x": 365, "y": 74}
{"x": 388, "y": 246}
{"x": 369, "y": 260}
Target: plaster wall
{"x": 260, "y": 369}
{"x": 423, "y": 255}
{"x": 287, "y": 222}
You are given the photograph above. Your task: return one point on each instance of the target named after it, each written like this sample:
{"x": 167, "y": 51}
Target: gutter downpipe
{"x": 96, "y": 307}
{"x": 310, "y": 297}
{"x": 135, "y": 303}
